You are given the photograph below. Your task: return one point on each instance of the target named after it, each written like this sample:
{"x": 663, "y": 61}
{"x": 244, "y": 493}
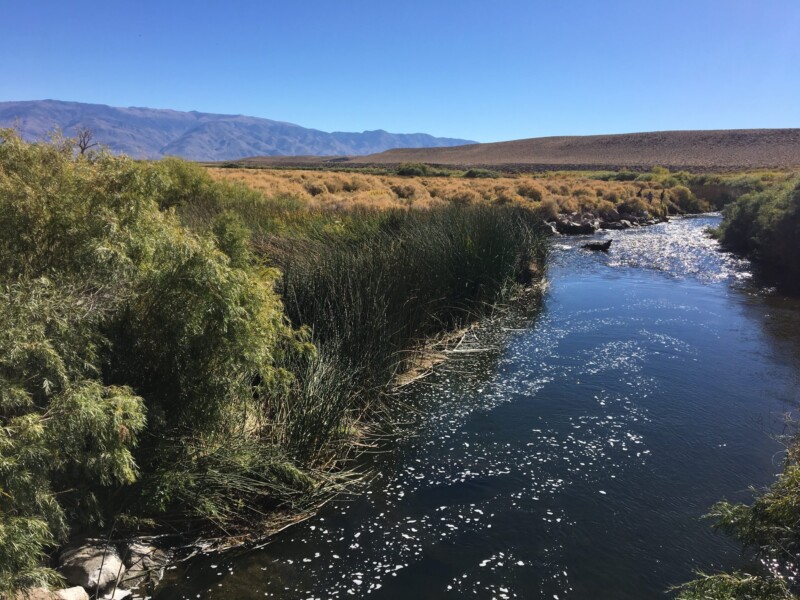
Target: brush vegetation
{"x": 763, "y": 222}
{"x": 184, "y": 352}
{"x": 765, "y": 225}
{"x": 735, "y": 586}
{"x": 769, "y": 527}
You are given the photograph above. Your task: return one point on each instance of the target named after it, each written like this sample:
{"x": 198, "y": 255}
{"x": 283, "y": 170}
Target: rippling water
{"x": 572, "y": 453}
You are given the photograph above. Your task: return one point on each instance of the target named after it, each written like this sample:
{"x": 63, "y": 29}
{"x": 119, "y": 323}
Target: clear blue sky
{"x": 483, "y": 70}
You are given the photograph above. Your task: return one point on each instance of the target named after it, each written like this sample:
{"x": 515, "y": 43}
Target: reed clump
{"x": 371, "y": 296}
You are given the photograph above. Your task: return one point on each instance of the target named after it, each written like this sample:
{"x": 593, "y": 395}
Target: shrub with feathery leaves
{"x": 769, "y": 527}
{"x": 130, "y": 349}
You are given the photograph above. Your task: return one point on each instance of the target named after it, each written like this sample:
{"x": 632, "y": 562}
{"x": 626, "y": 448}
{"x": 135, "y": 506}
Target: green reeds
{"x": 371, "y": 297}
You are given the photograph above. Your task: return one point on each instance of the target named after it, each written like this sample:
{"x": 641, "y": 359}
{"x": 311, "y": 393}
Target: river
{"x": 571, "y": 453}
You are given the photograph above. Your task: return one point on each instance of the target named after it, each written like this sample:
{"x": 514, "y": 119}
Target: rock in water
{"x": 598, "y": 246}
{"x": 550, "y": 228}
{"x": 145, "y": 563}
{"x": 92, "y": 565}
{"x": 568, "y": 227}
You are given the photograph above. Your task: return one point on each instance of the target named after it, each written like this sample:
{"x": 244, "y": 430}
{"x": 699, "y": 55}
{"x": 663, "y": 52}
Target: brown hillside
{"x": 693, "y": 150}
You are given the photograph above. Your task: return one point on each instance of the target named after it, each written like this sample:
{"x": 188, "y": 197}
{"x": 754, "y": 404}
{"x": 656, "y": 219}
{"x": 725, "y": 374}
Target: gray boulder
{"x": 623, "y": 224}
{"x": 93, "y": 565}
{"x": 572, "y": 228}
{"x": 35, "y": 594}
{"x": 550, "y": 227}
{"x": 145, "y": 564}
{"x": 73, "y": 593}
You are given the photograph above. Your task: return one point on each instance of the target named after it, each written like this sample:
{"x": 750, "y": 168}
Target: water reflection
{"x": 574, "y": 457}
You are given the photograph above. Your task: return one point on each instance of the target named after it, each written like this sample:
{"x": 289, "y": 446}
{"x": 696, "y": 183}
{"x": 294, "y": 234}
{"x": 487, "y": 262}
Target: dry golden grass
{"x": 559, "y": 193}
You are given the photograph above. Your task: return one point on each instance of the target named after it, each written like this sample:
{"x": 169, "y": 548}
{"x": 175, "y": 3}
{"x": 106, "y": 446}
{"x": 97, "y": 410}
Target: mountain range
{"x": 154, "y": 133}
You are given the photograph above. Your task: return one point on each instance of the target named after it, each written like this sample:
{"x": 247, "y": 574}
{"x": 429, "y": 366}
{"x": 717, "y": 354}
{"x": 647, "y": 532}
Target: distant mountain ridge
{"x": 154, "y": 133}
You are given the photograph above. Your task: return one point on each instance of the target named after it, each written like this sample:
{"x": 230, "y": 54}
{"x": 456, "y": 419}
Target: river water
{"x": 570, "y": 452}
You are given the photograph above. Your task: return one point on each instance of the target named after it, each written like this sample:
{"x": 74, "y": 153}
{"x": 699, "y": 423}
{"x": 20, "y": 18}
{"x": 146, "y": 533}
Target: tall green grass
{"x": 372, "y": 286}
{"x": 766, "y": 226}
{"x": 408, "y": 276}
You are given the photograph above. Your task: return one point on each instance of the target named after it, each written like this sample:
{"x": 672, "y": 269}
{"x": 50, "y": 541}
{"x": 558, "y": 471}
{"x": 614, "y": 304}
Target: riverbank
{"x": 571, "y": 202}
{"x": 572, "y": 451}
{"x": 765, "y": 226}
{"x": 196, "y": 356}
{"x": 190, "y": 356}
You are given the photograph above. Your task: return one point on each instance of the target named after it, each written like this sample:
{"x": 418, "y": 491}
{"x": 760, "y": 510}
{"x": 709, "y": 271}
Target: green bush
{"x": 64, "y": 432}
{"x": 735, "y": 586}
{"x": 769, "y": 526}
{"x": 625, "y": 175}
{"x": 481, "y": 174}
{"x": 621, "y": 175}
{"x": 766, "y": 226}
{"x": 686, "y": 201}
{"x": 721, "y": 190}
{"x": 183, "y": 182}
{"x": 131, "y": 350}
{"x": 414, "y": 170}
{"x": 770, "y": 521}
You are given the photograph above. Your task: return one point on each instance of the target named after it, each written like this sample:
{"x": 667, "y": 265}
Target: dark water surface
{"x": 573, "y": 454}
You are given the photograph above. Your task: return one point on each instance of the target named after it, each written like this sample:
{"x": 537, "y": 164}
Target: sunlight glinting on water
{"x": 677, "y": 249}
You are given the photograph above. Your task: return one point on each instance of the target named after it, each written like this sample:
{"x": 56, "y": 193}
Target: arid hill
{"x": 691, "y": 150}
